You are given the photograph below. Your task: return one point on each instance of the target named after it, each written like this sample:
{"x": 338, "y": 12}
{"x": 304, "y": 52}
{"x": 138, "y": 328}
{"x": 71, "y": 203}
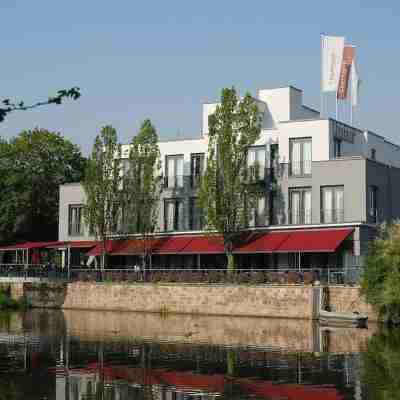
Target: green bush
{"x": 7, "y": 302}
{"x": 380, "y": 280}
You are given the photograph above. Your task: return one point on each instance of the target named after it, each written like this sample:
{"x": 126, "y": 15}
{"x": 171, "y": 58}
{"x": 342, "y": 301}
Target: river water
{"x": 85, "y": 355}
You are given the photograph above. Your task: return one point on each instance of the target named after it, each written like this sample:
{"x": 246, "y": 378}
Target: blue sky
{"x": 161, "y": 59}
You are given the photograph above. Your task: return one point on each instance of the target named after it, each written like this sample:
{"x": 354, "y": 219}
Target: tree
{"x": 32, "y": 167}
{"x": 142, "y": 187}
{"x": 9, "y": 106}
{"x": 227, "y": 194}
{"x": 103, "y": 187}
{"x": 380, "y": 281}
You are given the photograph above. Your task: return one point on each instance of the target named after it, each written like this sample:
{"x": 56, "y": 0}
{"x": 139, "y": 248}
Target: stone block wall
{"x": 348, "y": 299}
{"x": 285, "y": 301}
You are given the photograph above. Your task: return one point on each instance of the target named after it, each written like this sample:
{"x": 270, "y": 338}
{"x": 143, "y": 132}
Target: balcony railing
{"x": 300, "y": 217}
{"x": 195, "y": 180}
{"x": 75, "y": 229}
{"x": 182, "y": 181}
{"x": 331, "y": 216}
{"x": 300, "y": 168}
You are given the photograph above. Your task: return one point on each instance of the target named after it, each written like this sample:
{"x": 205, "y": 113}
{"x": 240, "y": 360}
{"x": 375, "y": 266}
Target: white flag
{"x": 355, "y": 85}
{"x": 332, "y": 54}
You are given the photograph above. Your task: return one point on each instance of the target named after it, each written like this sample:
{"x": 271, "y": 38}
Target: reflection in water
{"x": 76, "y": 356}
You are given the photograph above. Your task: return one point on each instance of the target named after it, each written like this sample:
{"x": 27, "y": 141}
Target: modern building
{"x": 326, "y": 186}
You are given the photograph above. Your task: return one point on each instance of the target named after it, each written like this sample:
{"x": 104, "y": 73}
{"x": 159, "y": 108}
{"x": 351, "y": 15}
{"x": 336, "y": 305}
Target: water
{"x": 85, "y": 355}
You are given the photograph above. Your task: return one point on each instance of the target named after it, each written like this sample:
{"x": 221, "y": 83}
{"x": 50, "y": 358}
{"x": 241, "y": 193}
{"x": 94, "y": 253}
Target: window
{"x": 258, "y": 215}
{"x": 337, "y": 148}
{"x": 173, "y": 215}
{"x": 300, "y": 157}
{"x": 256, "y": 162}
{"x": 195, "y": 215}
{"x": 332, "y": 204}
{"x": 196, "y": 169}
{"x": 174, "y": 171}
{"x": 300, "y": 206}
{"x": 373, "y": 203}
{"x": 373, "y": 154}
{"x": 75, "y": 214}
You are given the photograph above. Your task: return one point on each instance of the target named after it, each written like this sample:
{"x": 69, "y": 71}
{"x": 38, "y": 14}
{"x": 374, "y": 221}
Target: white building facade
{"x": 320, "y": 175}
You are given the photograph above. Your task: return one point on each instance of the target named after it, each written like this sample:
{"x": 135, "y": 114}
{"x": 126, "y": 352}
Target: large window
{"x": 256, "y": 162}
{"x": 373, "y": 203}
{"x": 174, "y": 171}
{"x": 75, "y": 214}
{"x": 337, "y": 148}
{"x": 196, "y": 169}
{"x": 332, "y": 204}
{"x": 173, "y": 215}
{"x": 195, "y": 215}
{"x": 300, "y": 206}
{"x": 300, "y": 157}
{"x": 258, "y": 215}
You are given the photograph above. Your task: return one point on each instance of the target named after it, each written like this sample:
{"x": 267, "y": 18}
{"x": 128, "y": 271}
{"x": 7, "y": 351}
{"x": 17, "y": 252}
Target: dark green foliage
{"x": 381, "y": 366}
{"x": 32, "y": 166}
{"x": 8, "y": 106}
{"x": 380, "y": 282}
{"x": 227, "y": 194}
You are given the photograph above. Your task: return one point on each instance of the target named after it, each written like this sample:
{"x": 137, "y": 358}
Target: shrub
{"x": 380, "y": 280}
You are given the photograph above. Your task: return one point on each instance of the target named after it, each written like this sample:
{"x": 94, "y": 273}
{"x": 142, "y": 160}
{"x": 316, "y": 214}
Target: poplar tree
{"x": 227, "y": 193}
{"x": 103, "y": 188}
{"x": 142, "y": 187}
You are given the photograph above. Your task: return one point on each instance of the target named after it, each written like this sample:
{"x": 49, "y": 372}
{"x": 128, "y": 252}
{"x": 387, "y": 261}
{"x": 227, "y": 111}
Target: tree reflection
{"x": 381, "y": 365}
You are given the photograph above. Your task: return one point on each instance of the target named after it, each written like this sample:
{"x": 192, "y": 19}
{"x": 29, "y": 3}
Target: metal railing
{"x": 300, "y": 217}
{"x": 283, "y": 275}
{"x": 300, "y": 168}
{"x": 332, "y": 215}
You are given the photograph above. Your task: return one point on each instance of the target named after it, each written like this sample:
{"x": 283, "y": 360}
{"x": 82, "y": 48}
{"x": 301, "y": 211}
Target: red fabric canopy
{"x": 314, "y": 241}
{"x": 27, "y": 246}
{"x": 111, "y": 247}
{"x": 172, "y": 244}
{"x": 263, "y": 243}
{"x": 204, "y": 245}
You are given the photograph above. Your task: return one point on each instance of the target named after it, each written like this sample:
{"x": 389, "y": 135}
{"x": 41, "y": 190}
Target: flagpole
{"x": 321, "y": 113}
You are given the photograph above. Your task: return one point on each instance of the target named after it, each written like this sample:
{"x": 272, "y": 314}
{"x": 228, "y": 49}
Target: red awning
{"x": 172, "y": 244}
{"x": 27, "y": 246}
{"x": 111, "y": 247}
{"x": 129, "y": 247}
{"x": 204, "y": 245}
{"x": 263, "y": 243}
{"x": 314, "y": 241}
{"x": 305, "y": 241}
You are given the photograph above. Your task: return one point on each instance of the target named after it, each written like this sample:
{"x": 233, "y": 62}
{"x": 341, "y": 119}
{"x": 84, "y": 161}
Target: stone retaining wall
{"x": 275, "y": 301}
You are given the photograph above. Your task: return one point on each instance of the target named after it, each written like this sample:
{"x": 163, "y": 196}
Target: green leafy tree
{"x": 142, "y": 187}
{"x": 103, "y": 188}
{"x": 227, "y": 193}
{"x": 8, "y": 106}
{"x": 380, "y": 281}
{"x": 32, "y": 167}
{"x": 381, "y": 366}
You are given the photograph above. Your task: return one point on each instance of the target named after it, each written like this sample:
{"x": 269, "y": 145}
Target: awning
{"x": 267, "y": 242}
{"x": 204, "y": 245}
{"x": 172, "y": 244}
{"x": 78, "y": 244}
{"x": 111, "y": 247}
{"x": 27, "y": 246}
{"x": 314, "y": 241}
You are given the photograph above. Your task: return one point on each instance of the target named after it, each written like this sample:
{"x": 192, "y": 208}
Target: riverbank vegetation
{"x": 380, "y": 282}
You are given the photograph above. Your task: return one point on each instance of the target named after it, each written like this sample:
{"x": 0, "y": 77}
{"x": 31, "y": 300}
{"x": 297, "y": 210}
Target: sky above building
{"x": 161, "y": 59}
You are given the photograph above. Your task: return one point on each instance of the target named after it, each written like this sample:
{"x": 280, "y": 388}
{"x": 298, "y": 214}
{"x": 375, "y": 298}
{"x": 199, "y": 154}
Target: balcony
{"x": 300, "y": 168}
{"x": 300, "y": 217}
{"x": 332, "y": 216}
{"x": 75, "y": 229}
{"x": 182, "y": 181}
